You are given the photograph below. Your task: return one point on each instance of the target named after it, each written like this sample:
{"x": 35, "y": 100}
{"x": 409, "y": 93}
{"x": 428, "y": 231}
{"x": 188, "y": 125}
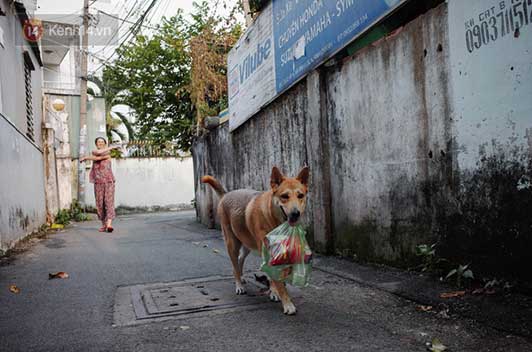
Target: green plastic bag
{"x": 286, "y": 255}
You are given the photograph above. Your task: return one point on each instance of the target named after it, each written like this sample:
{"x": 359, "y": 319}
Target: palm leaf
{"x": 127, "y": 123}
{"x": 118, "y": 133}
{"x": 98, "y": 82}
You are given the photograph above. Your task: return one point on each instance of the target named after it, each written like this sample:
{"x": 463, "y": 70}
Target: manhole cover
{"x": 183, "y": 298}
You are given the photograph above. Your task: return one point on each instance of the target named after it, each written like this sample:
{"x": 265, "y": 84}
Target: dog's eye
{"x": 284, "y": 196}
{"x": 301, "y": 196}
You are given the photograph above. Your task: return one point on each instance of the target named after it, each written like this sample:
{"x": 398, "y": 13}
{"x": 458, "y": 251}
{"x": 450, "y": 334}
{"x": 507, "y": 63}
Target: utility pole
{"x": 83, "y": 103}
{"x": 247, "y": 12}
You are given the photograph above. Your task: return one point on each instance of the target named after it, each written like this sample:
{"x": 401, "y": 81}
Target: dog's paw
{"x": 274, "y": 297}
{"x": 240, "y": 290}
{"x": 289, "y": 309}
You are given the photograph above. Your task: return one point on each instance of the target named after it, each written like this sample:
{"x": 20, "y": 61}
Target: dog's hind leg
{"x": 243, "y": 254}
{"x": 233, "y": 249}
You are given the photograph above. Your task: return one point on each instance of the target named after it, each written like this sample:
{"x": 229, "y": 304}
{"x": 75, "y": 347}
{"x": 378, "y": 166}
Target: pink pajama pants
{"x": 104, "y": 193}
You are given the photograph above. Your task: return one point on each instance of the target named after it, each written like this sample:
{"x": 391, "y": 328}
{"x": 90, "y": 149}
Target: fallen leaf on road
{"x": 437, "y": 346}
{"x": 452, "y": 294}
{"x": 196, "y": 243}
{"x": 58, "y": 275}
{"x": 422, "y": 308}
{"x": 57, "y": 226}
{"x": 216, "y": 251}
{"x": 184, "y": 327}
{"x": 14, "y": 289}
{"x": 205, "y": 245}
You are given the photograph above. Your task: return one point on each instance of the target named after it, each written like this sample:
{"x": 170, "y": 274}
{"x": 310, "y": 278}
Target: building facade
{"x": 22, "y": 191}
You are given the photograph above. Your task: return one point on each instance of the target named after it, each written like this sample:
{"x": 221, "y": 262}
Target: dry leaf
{"x": 422, "y": 308}
{"x": 14, "y": 289}
{"x": 216, "y": 251}
{"x": 184, "y": 327}
{"x": 437, "y": 346}
{"x": 452, "y": 294}
{"x": 58, "y": 275}
{"x": 57, "y": 226}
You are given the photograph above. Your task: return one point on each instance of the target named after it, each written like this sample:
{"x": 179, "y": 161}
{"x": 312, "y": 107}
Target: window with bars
{"x": 28, "y": 67}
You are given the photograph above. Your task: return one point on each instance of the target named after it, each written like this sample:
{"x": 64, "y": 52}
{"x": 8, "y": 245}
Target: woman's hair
{"x": 103, "y": 139}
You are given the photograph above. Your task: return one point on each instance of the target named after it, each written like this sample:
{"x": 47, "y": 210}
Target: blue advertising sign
{"x": 307, "y": 32}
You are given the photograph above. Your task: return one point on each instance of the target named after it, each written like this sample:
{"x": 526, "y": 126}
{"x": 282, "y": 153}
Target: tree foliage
{"x": 209, "y": 49}
{"x": 154, "y": 76}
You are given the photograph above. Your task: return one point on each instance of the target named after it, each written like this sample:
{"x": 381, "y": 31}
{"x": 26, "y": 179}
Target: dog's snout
{"x": 294, "y": 214}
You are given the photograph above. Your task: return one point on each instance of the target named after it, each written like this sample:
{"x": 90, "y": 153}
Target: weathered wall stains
{"x": 388, "y": 114}
{"x": 22, "y": 201}
{"x": 490, "y": 225}
{"x": 244, "y": 158}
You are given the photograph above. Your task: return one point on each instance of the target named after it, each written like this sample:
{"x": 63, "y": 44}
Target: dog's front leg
{"x": 288, "y": 307}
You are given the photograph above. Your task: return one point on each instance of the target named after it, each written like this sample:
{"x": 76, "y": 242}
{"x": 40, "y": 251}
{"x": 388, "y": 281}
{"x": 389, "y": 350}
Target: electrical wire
{"x": 117, "y": 32}
{"x": 125, "y": 20}
{"x": 133, "y": 31}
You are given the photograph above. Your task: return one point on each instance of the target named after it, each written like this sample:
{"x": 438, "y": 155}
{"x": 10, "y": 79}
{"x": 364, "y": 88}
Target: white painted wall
{"x": 491, "y": 78}
{"x": 63, "y": 77}
{"x": 148, "y": 182}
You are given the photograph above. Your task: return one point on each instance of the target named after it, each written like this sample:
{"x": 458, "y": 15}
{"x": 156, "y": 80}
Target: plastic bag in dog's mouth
{"x": 286, "y": 255}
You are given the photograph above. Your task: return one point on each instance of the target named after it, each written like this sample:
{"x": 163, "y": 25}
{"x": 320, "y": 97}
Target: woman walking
{"x": 102, "y": 176}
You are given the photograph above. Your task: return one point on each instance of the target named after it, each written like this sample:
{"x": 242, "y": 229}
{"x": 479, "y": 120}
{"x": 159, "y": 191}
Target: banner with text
{"x": 289, "y": 39}
{"x": 307, "y": 32}
{"x": 250, "y": 64}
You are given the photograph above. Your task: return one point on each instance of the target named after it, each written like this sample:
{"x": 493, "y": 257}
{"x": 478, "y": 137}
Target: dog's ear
{"x": 277, "y": 178}
{"x": 303, "y": 175}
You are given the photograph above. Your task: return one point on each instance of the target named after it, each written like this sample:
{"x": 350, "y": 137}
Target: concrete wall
{"x": 151, "y": 182}
{"x": 384, "y": 133}
{"x": 22, "y": 200}
{"x": 388, "y": 111}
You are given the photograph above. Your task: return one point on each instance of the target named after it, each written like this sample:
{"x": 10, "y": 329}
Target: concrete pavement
{"x": 80, "y": 313}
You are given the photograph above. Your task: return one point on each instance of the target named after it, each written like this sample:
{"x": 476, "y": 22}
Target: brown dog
{"x": 247, "y": 216}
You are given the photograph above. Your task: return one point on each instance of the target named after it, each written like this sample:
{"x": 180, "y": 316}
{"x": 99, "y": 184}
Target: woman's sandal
{"x": 110, "y": 229}
{"x": 102, "y": 229}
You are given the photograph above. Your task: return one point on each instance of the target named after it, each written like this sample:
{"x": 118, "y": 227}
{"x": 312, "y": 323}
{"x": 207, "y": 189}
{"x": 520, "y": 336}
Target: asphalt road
{"x": 80, "y": 313}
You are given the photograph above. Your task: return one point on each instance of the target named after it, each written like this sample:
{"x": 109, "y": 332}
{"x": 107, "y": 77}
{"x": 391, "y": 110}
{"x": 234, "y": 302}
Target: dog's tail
{"x": 218, "y": 188}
